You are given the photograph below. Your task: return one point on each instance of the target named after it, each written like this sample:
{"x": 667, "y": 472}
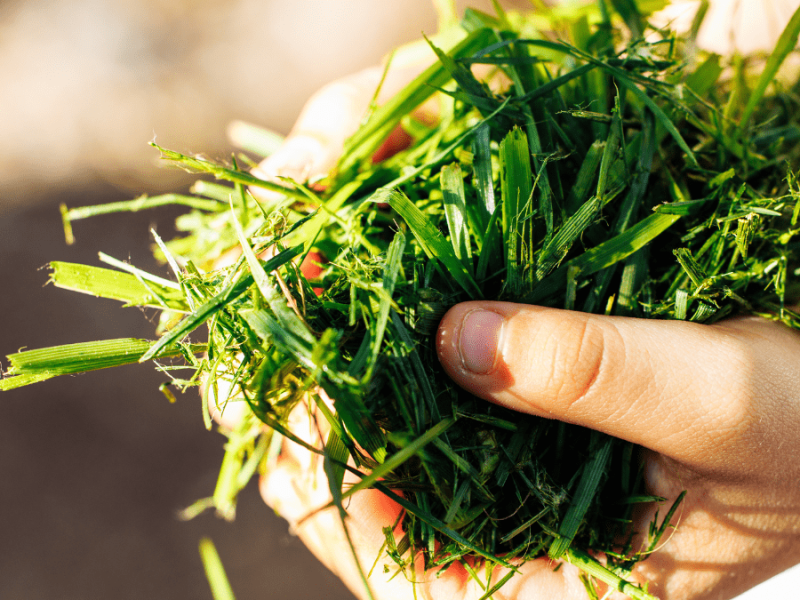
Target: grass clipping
{"x": 612, "y": 173}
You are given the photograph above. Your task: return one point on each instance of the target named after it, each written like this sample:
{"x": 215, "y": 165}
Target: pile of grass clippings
{"x": 610, "y": 168}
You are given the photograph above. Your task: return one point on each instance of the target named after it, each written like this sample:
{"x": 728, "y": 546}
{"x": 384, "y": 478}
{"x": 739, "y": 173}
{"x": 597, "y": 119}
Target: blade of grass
{"x": 336, "y": 453}
{"x": 215, "y": 572}
{"x": 114, "y": 285}
{"x": 202, "y": 313}
{"x": 201, "y": 165}
{"x": 143, "y": 203}
{"x": 255, "y": 139}
{"x": 368, "y": 138}
{"x": 400, "y": 457}
{"x": 391, "y": 272}
{"x": 787, "y": 42}
{"x": 516, "y": 192}
{"x": 455, "y": 211}
{"x": 430, "y": 239}
{"x": 482, "y": 171}
{"x": 606, "y": 254}
{"x": 37, "y": 365}
{"x": 287, "y": 318}
{"x": 593, "y": 473}
{"x": 590, "y": 566}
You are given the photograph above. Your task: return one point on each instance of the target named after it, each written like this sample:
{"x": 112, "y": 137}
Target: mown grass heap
{"x": 610, "y": 168}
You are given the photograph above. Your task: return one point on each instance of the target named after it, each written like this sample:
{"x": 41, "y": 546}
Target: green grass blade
{"x": 428, "y": 518}
{"x": 631, "y": 206}
{"x": 463, "y": 465}
{"x": 482, "y": 171}
{"x": 269, "y": 329}
{"x": 336, "y": 455}
{"x": 492, "y": 247}
{"x": 255, "y": 139}
{"x": 391, "y": 272}
{"x": 18, "y": 381}
{"x": 366, "y": 141}
{"x": 552, "y": 85}
{"x": 606, "y": 254}
{"x": 83, "y": 356}
{"x": 43, "y": 363}
{"x": 496, "y": 587}
{"x": 216, "y": 191}
{"x": 665, "y": 523}
{"x": 516, "y": 193}
{"x": 629, "y": 12}
{"x": 455, "y": 210}
{"x": 591, "y": 567}
{"x": 143, "y": 203}
{"x": 470, "y": 89}
{"x": 399, "y": 457}
{"x": 609, "y": 152}
{"x": 421, "y": 376}
{"x": 705, "y": 77}
{"x": 586, "y": 176}
{"x": 228, "y": 488}
{"x": 287, "y": 318}
{"x": 660, "y": 115}
{"x": 787, "y": 42}
{"x": 430, "y": 239}
{"x": 593, "y": 473}
{"x": 559, "y": 245}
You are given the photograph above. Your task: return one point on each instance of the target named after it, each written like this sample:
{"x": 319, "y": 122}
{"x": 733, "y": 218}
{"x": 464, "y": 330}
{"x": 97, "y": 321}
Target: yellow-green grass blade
{"x": 455, "y": 210}
{"x": 591, "y": 567}
{"x": 30, "y": 366}
{"x": 215, "y": 572}
{"x": 143, "y": 203}
{"x": 202, "y": 313}
{"x": 125, "y": 287}
{"x": 201, "y": 165}
{"x": 253, "y": 138}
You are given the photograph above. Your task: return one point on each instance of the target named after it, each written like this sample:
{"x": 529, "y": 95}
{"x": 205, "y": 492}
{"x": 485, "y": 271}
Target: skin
{"x": 716, "y": 410}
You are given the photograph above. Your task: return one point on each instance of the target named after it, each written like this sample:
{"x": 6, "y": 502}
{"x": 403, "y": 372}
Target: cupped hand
{"x": 715, "y": 408}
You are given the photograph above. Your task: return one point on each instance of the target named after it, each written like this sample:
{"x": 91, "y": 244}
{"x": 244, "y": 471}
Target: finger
{"x": 226, "y": 405}
{"x": 329, "y": 117}
{"x": 701, "y": 394}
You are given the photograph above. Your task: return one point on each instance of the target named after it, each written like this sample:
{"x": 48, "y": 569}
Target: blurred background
{"x": 94, "y": 468}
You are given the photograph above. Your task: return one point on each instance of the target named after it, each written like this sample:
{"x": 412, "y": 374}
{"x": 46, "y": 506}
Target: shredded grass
{"x": 618, "y": 171}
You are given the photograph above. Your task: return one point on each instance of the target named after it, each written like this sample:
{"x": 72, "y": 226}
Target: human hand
{"x": 707, "y": 403}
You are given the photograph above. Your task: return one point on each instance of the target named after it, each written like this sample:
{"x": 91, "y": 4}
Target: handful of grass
{"x": 618, "y": 170}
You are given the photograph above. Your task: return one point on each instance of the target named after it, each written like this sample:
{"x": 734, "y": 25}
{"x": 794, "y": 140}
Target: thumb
{"x": 686, "y": 390}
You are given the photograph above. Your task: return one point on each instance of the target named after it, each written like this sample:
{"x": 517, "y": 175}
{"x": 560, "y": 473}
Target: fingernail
{"x": 478, "y": 340}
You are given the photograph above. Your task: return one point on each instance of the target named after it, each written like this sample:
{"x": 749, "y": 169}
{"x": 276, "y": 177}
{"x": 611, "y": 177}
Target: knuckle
{"x": 577, "y": 351}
